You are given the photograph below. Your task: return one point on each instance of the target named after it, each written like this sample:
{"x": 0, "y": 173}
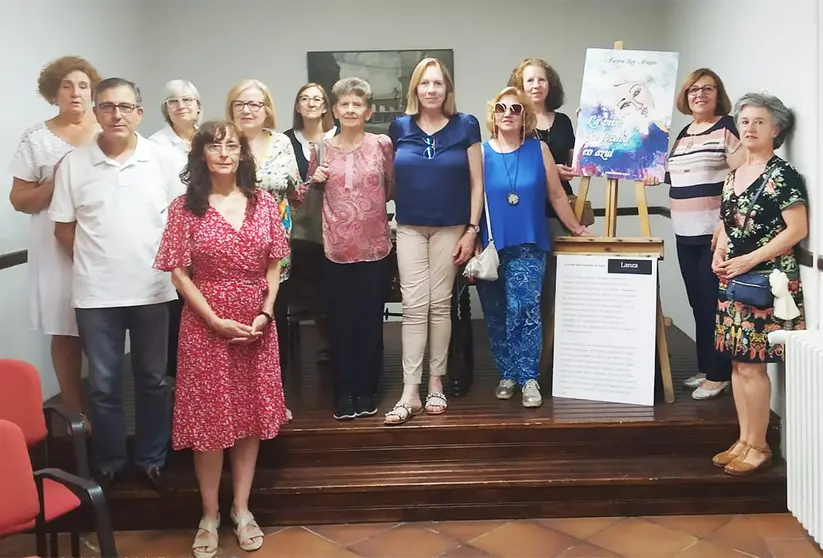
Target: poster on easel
{"x": 604, "y": 323}
{"x": 625, "y": 113}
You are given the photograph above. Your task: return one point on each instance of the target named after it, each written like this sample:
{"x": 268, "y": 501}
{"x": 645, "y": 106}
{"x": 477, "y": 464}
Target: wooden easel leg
{"x": 642, "y": 209}
{"x": 611, "y": 209}
{"x": 582, "y": 196}
{"x": 663, "y": 354}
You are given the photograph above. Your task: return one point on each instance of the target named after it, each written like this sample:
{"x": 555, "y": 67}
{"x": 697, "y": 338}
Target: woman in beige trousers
{"x": 438, "y": 200}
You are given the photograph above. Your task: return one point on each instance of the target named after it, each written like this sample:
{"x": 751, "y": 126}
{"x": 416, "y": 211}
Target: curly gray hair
{"x": 782, "y": 116}
{"x": 352, "y": 86}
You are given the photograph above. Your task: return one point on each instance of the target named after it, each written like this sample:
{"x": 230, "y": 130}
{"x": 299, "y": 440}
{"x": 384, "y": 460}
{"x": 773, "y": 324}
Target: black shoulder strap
{"x": 767, "y": 176}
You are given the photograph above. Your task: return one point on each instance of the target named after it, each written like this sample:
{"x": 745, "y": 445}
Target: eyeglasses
{"x": 516, "y": 109}
{"x": 254, "y": 106}
{"x": 311, "y": 100}
{"x": 175, "y": 102}
{"x": 431, "y": 145}
{"x": 694, "y": 91}
{"x": 217, "y": 148}
{"x": 124, "y": 108}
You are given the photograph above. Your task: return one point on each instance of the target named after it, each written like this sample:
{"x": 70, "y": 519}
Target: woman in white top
{"x": 66, "y": 83}
{"x": 182, "y": 113}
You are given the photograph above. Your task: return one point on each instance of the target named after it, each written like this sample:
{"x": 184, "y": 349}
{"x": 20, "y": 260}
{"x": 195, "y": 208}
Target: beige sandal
{"x": 207, "y": 541}
{"x": 249, "y": 534}
{"x": 403, "y": 412}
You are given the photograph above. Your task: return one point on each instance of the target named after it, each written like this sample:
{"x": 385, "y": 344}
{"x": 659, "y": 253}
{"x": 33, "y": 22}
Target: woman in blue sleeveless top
{"x": 520, "y": 176}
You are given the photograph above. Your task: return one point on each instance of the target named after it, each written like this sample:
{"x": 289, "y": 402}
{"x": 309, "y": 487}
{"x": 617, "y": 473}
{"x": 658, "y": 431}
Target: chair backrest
{"x": 21, "y": 399}
{"x": 18, "y": 493}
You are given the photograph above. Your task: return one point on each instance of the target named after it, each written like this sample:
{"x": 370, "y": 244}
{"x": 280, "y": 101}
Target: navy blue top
{"x": 521, "y": 172}
{"x": 436, "y": 191}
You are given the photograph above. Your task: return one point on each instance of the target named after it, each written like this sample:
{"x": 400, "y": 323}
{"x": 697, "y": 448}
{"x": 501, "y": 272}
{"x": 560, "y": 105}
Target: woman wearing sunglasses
{"x": 439, "y": 198}
{"x": 520, "y": 175}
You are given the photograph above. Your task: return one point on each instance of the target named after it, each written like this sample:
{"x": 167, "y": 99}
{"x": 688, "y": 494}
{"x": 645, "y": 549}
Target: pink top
{"x": 355, "y": 222}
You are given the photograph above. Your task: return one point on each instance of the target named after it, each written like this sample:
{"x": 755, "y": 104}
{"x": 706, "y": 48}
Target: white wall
{"x": 34, "y": 33}
{"x": 726, "y": 36}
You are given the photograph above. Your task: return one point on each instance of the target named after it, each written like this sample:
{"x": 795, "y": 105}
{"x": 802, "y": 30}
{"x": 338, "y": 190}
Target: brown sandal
{"x": 725, "y": 457}
{"x": 739, "y": 467}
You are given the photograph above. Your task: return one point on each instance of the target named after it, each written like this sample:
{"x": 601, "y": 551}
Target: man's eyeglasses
{"x": 254, "y": 106}
{"x": 515, "y": 109}
{"x": 431, "y": 145}
{"x": 217, "y": 148}
{"x": 175, "y": 102}
{"x": 124, "y": 108}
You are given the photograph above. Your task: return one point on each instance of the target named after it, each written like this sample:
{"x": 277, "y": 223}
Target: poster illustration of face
{"x": 625, "y": 113}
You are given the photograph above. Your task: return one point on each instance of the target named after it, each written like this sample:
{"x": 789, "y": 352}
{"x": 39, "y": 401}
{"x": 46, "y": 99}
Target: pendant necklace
{"x": 513, "y": 198}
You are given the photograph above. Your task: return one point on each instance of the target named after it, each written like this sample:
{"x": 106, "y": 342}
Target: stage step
{"x": 470, "y": 489}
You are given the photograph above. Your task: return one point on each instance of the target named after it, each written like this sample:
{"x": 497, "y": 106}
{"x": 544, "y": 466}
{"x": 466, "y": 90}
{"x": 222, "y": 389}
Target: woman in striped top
{"x": 701, "y": 157}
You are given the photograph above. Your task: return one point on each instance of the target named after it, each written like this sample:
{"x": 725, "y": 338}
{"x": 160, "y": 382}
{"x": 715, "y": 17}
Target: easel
{"x": 645, "y": 246}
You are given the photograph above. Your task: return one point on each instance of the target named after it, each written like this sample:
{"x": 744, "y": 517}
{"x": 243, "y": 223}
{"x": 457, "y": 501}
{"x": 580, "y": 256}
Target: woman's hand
{"x": 718, "y": 257}
{"x": 566, "y": 173}
{"x": 321, "y": 174}
{"x": 736, "y": 266}
{"x": 231, "y": 329}
{"x": 650, "y": 180}
{"x": 581, "y": 231}
{"x": 465, "y": 248}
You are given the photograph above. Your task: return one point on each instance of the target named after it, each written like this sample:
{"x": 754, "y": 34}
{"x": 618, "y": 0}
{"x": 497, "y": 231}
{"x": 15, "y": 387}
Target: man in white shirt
{"x": 109, "y": 208}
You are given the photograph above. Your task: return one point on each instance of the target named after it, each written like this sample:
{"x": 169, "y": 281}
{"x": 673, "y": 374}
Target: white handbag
{"x": 484, "y": 265}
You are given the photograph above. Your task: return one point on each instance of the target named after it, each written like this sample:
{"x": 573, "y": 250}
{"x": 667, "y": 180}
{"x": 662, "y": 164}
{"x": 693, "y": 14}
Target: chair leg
{"x": 40, "y": 538}
{"x": 75, "y": 543}
{"x": 54, "y": 544}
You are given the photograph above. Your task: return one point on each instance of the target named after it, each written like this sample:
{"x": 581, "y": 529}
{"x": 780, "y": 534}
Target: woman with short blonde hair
{"x": 250, "y": 106}
{"x": 438, "y": 200}
{"x": 520, "y": 175}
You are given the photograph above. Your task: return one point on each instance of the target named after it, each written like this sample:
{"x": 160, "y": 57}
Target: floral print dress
{"x": 278, "y": 174}
{"x": 742, "y": 330}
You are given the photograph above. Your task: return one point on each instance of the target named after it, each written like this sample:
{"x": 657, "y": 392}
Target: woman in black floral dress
{"x": 763, "y": 222}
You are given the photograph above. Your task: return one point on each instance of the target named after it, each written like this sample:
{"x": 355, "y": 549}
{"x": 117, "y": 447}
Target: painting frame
{"x": 387, "y": 70}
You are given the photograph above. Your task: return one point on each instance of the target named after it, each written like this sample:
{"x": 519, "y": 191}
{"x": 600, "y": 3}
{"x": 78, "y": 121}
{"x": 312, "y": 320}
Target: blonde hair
{"x": 413, "y": 103}
{"x": 529, "y": 115}
{"x": 268, "y": 101}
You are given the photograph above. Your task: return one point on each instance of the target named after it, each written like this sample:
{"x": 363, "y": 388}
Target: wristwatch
{"x": 473, "y": 228}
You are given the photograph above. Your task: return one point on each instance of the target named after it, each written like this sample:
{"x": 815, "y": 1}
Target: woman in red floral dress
{"x": 223, "y": 243}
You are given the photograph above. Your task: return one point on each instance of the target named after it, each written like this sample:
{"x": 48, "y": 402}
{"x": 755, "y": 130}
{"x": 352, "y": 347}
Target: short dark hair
{"x": 196, "y": 175}
{"x": 111, "y": 83}
{"x": 556, "y": 96}
{"x": 724, "y": 104}
{"x": 53, "y": 73}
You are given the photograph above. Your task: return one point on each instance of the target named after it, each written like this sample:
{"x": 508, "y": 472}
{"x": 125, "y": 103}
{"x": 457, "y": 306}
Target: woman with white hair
{"x": 764, "y": 216}
{"x": 182, "y": 113}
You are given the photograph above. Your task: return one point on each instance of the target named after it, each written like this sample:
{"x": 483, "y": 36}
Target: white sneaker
{"x": 531, "y": 394}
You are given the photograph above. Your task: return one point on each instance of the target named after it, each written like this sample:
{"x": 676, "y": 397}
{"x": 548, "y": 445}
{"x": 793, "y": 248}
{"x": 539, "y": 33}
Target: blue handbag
{"x": 753, "y": 289}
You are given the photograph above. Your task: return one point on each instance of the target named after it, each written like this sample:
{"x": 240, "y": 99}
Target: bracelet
{"x": 263, "y": 313}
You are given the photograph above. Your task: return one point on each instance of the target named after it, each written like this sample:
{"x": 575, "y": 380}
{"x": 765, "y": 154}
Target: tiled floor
{"x": 715, "y": 536}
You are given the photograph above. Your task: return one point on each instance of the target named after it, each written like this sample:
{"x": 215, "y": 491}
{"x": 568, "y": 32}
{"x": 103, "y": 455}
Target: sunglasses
{"x": 516, "y": 109}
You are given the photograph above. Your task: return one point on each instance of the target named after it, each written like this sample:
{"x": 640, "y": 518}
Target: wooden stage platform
{"x": 483, "y": 459}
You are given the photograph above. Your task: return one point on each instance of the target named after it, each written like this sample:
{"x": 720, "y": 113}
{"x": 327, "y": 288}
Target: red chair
{"x": 21, "y": 402}
{"x": 22, "y": 491}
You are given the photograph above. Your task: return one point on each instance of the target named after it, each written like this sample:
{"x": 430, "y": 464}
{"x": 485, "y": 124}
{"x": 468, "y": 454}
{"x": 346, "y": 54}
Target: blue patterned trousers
{"x": 511, "y": 308}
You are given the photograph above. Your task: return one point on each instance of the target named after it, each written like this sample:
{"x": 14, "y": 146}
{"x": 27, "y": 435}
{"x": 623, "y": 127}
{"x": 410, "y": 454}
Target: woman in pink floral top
{"x": 357, "y": 177}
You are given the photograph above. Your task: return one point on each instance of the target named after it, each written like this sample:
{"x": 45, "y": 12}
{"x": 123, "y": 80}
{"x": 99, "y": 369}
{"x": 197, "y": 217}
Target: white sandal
{"x": 403, "y": 412}
{"x": 436, "y": 399}
{"x": 249, "y": 534}
{"x": 206, "y": 541}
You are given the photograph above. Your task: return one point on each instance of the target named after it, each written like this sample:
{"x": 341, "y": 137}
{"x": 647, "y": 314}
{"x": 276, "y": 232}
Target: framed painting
{"x": 387, "y": 71}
